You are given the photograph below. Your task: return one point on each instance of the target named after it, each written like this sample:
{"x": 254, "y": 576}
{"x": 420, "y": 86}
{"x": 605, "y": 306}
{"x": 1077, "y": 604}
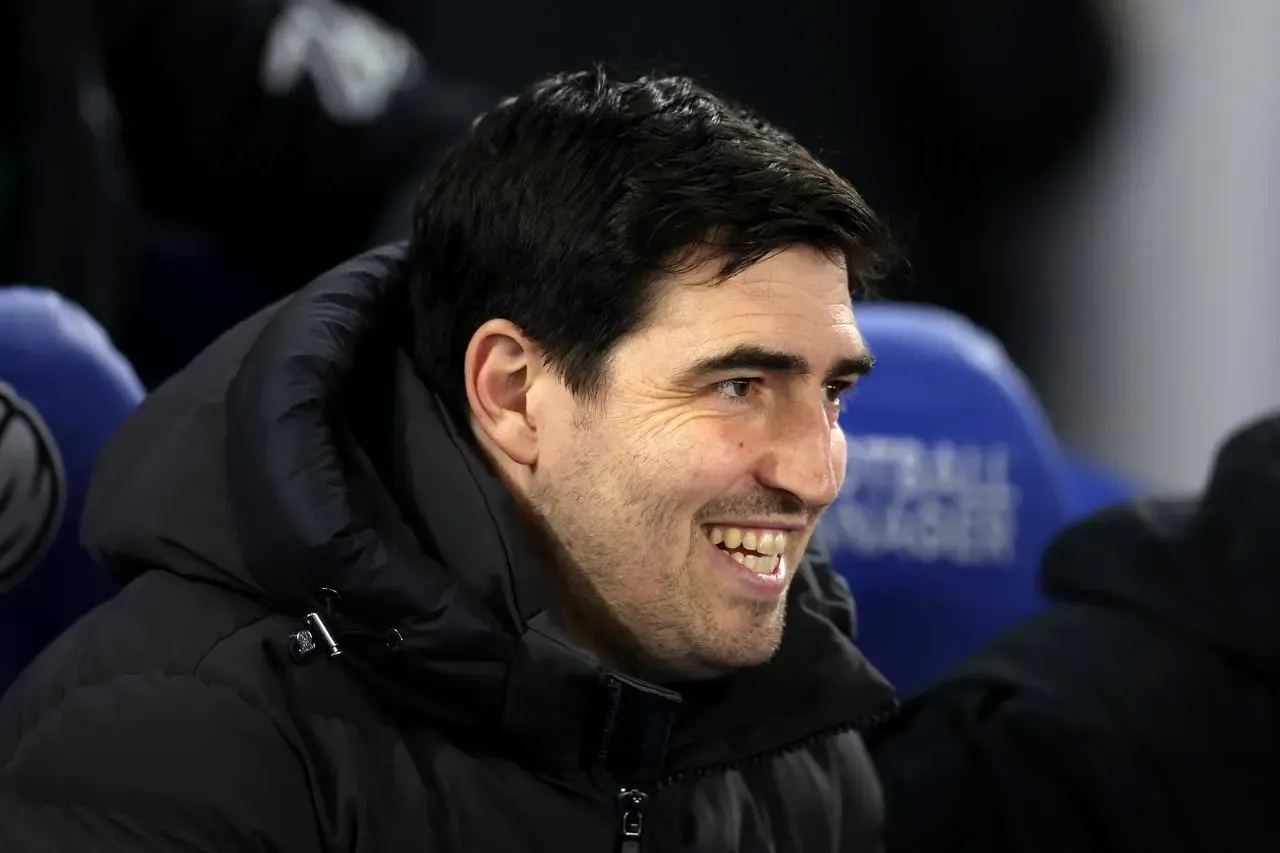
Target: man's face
{"x": 681, "y": 500}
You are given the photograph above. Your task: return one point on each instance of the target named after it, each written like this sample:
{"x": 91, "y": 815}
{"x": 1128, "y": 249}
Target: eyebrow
{"x": 758, "y": 359}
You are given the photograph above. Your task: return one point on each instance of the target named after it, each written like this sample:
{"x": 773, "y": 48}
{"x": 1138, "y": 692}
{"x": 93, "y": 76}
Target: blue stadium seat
{"x": 955, "y": 485}
{"x": 63, "y": 390}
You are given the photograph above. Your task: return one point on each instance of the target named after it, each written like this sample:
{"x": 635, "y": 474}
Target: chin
{"x": 718, "y": 666}
{"x": 760, "y": 645}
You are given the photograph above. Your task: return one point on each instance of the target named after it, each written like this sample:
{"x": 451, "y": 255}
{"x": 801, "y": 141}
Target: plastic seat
{"x": 955, "y": 486}
{"x": 63, "y": 390}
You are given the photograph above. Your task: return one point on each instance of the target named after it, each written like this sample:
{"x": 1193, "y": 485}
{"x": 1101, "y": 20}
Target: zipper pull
{"x": 633, "y": 804}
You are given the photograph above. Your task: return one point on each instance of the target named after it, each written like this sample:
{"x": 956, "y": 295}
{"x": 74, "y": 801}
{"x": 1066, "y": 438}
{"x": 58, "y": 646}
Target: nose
{"x": 806, "y": 456}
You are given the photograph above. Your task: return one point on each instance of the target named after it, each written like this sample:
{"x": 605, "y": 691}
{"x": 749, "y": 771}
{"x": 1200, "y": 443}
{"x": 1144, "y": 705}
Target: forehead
{"x": 795, "y": 301}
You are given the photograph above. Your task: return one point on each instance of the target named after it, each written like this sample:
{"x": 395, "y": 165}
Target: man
{"x": 495, "y": 544}
{"x": 1139, "y": 711}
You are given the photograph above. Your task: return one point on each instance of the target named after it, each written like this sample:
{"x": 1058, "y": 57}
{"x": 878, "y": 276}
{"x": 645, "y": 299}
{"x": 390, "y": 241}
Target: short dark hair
{"x": 563, "y": 205}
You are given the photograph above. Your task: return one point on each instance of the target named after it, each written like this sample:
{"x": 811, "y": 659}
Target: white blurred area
{"x": 1161, "y": 258}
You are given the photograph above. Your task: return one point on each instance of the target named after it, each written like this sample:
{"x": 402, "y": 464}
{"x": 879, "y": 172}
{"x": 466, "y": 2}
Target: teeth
{"x": 770, "y": 543}
{"x": 760, "y": 565}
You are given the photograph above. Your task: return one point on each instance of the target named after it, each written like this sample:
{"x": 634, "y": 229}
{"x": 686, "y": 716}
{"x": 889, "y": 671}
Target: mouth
{"x": 758, "y": 549}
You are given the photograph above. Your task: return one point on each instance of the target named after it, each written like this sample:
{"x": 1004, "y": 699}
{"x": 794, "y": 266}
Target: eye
{"x": 838, "y": 393}
{"x": 738, "y": 389}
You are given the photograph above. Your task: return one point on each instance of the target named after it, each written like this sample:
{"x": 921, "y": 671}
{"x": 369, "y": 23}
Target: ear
{"x": 501, "y": 365}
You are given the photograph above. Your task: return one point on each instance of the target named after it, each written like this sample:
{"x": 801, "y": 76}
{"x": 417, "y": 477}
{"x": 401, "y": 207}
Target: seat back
{"x": 63, "y": 390}
{"x": 955, "y": 485}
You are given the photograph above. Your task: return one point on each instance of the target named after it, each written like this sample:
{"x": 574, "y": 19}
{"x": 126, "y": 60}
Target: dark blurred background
{"x": 1091, "y": 180}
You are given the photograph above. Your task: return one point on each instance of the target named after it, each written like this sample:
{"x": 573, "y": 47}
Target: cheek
{"x": 719, "y": 462}
{"x": 686, "y": 467}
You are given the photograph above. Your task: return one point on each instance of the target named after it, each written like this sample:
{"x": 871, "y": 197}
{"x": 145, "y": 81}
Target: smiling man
{"x": 498, "y": 542}
{"x": 680, "y": 500}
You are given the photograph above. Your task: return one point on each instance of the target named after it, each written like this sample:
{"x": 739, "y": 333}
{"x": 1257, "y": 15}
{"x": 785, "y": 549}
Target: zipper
{"x": 634, "y": 802}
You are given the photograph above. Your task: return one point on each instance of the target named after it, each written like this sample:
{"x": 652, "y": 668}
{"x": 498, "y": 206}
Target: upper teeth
{"x": 762, "y": 541}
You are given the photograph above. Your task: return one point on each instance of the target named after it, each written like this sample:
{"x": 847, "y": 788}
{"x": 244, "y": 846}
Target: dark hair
{"x": 563, "y": 206}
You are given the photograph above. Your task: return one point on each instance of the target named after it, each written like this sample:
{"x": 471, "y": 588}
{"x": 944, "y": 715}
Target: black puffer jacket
{"x": 301, "y": 453}
{"x": 1140, "y": 712}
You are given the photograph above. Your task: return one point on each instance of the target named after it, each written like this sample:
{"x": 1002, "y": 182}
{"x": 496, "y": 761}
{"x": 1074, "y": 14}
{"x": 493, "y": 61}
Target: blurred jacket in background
{"x": 1138, "y": 712}
{"x": 289, "y": 130}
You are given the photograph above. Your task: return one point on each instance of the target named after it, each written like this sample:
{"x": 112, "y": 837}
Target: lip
{"x": 751, "y": 584}
{"x": 757, "y": 524}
